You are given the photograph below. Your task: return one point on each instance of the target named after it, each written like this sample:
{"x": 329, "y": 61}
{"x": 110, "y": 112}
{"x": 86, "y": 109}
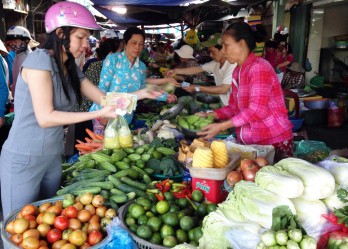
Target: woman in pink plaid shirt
{"x": 256, "y": 106}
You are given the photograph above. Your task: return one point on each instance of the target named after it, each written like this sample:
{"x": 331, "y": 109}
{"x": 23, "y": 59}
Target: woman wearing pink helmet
{"x": 48, "y": 87}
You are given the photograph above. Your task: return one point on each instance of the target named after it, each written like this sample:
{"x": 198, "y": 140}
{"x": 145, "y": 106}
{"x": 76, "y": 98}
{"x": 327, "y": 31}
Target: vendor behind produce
{"x": 256, "y": 106}
{"x": 219, "y": 66}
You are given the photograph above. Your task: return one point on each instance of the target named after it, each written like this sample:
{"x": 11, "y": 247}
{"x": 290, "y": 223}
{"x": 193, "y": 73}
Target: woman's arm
{"x": 40, "y": 87}
{"x": 161, "y": 81}
{"x": 209, "y": 89}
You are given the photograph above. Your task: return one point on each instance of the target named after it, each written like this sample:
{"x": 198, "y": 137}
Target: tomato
{"x": 28, "y": 209}
{"x": 17, "y": 238}
{"x": 94, "y": 237}
{"x": 71, "y": 212}
{"x": 48, "y": 218}
{"x": 30, "y": 243}
{"x": 94, "y": 218}
{"x": 104, "y": 223}
{"x": 58, "y": 244}
{"x": 29, "y": 217}
{"x": 100, "y": 211}
{"x": 43, "y": 229}
{"x": 98, "y": 201}
{"x": 78, "y": 205}
{"x": 68, "y": 246}
{"x": 68, "y": 201}
{"x": 85, "y": 245}
{"x": 43, "y": 243}
{"x": 110, "y": 213}
{"x": 31, "y": 233}
{"x": 93, "y": 226}
{"x": 90, "y": 208}
{"x": 77, "y": 237}
{"x": 20, "y": 225}
{"x": 59, "y": 203}
{"x": 74, "y": 224}
{"x": 83, "y": 216}
{"x": 43, "y": 207}
{"x": 66, "y": 234}
{"x": 86, "y": 198}
{"x": 84, "y": 227}
{"x": 39, "y": 218}
{"x": 61, "y": 222}
{"x": 10, "y": 227}
{"x": 32, "y": 224}
{"x": 55, "y": 209}
{"x": 54, "y": 235}
{"x": 43, "y": 247}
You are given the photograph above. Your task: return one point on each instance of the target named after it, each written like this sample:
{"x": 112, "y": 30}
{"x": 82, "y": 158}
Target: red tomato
{"x": 94, "y": 237}
{"x": 71, "y": 212}
{"x": 54, "y": 235}
{"x": 61, "y": 222}
{"x": 77, "y": 237}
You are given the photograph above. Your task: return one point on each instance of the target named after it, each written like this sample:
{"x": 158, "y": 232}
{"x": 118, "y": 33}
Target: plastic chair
{"x": 298, "y": 130}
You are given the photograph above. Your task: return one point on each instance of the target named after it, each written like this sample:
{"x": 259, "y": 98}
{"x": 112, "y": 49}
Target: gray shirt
{"x": 26, "y": 136}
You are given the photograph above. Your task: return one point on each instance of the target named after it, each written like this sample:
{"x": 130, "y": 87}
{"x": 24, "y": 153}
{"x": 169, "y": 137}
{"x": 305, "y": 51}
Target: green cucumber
{"x": 133, "y": 183}
{"x": 122, "y": 198}
{"x": 80, "y": 191}
{"x": 108, "y": 166}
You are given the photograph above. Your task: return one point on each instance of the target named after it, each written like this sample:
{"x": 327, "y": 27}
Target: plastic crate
{"x": 213, "y": 190}
{"x": 6, "y": 236}
{"x": 141, "y": 243}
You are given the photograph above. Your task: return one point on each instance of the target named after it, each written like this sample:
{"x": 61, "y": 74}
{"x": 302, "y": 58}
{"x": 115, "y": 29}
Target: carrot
{"x": 83, "y": 147}
{"x": 99, "y": 137}
{"x": 91, "y": 134}
{"x": 95, "y": 145}
{"x": 79, "y": 141}
{"x": 88, "y": 140}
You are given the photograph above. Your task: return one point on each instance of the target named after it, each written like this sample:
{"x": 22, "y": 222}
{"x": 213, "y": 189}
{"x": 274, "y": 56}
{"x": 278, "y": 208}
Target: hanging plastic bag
{"x": 125, "y": 136}
{"x": 111, "y": 138}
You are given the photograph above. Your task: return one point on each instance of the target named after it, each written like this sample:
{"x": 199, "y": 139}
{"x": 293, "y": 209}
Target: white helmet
{"x": 16, "y": 32}
{"x": 110, "y": 33}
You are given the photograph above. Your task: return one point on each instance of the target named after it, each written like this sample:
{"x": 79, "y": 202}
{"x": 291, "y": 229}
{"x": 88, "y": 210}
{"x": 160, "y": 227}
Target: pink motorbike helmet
{"x": 70, "y": 14}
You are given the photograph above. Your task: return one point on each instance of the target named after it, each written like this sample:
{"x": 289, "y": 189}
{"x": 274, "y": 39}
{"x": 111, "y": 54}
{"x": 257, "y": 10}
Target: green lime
{"x": 155, "y": 223}
{"x": 167, "y": 230}
{"x": 162, "y": 207}
{"x": 197, "y": 195}
{"x": 189, "y": 211}
{"x": 142, "y": 220}
{"x": 183, "y": 202}
{"x": 181, "y": 214}
{"x": 197, "y": 233}
{"x": 191, "y": 235}
{"x": 156, "y": 239}
{"x": 146, "y": 203}
{"x": 171, "y": 219}
{"x": 130, "y": 221}
{"x": 182, "y": 236}
{"x": 137, "y": 210}
{"x": 202, "y": 209}
{"x": 153, "y": 209}
{"x": 211, "y": 207}
{"x": 170, "y": 241}
{"x": 149, "y": 214}
{"x": 130, "y": 207}
{"x": 169, "y": 196}
{"x": 186, "y": 223}
{"x": 133, "y": 227}
{"x": 144, "y": 231}
{"x": 194, "y": 243}
{"x": 174, "y": 208}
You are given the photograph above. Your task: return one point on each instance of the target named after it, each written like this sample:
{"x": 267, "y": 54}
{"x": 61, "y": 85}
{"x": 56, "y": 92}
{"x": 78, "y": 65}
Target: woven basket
{"x": 141, "y": 243}
{"x": 6, "y": 236}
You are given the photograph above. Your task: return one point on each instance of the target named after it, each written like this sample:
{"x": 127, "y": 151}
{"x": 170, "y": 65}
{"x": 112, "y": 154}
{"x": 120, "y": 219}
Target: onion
{"x": 249, "y": 172}
{"x": 261, "y": 161}
{"x": 246, "y": 163}
{"x": 233, "y": 177}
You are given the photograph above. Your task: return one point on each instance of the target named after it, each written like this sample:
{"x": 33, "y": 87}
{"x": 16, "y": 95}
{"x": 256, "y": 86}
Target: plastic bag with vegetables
{"x": 111, "y": 140}
{"x": 125, "y": 136}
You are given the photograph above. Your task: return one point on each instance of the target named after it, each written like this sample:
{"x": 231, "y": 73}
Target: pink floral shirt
{"x": 257, "y": 106}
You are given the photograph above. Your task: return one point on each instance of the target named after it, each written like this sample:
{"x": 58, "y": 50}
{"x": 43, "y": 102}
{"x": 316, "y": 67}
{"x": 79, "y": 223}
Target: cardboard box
{"x": 213, "y": 190}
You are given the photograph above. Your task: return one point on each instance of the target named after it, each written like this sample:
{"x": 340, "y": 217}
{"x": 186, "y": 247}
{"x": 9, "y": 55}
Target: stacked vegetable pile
{"x": 194, "y": 122}
{"x": 69, "y": 223}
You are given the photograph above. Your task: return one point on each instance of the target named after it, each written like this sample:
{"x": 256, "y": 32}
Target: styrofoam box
{"x": 215, "y": 173}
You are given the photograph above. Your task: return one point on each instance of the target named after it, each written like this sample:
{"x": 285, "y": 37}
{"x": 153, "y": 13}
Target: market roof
{"x": 152, "y": 12}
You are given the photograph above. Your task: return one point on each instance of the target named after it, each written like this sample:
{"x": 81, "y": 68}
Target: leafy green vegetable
{"x": 168, "y": 167}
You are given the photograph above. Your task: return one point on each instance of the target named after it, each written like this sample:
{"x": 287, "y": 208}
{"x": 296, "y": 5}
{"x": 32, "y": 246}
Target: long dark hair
{"x": 242, "y": 31}
{"x": 107, "y": 46}
{"x": 55, "y": 43}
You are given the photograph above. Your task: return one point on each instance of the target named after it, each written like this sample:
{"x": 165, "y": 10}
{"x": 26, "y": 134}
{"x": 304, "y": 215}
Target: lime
{"x": 156, "y": 239}
{"x": 146, "y": 203}
{"x": 191, "y": 235}
{"x": 181, "y": 214}
{"x": 174, "y": 208}
{"x": 197, "y": 195}
{"x": 142, "y": 220}
{"x": 169, "y": 196}
{"x": 194, "y": 243}
{"x": 149, "y": 214}
{"x": 167, "y": 230}
{"x": 130, "y": 221}
{"x": 211, "y": 207}
{"x": 130, "y": 207}
{"x": 170, "y": 241}
{"x": 189, "y": 211}
{"x": 183, "y": 202}
{"x": 186, "y": 223}
{"x": 133, "y": 227}
{"x": 197, "y": 233}
{"x": 162, "y": 207}
{"x": 155, "y": 223}
{"x": 144, "y": 231}
{"x": 153, "y": 209}
{"x": 202, "y": 209}
{"x": 182, "y": 236}
{"x": 170, "y": 219}
{"x": 137, "y": 210}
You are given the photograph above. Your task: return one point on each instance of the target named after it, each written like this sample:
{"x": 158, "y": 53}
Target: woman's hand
{"x": 173, "y": 81}
{"x": 190, "y": 88}
{"x": 171, "y": 98}
{"x": 148, "y": 94}
{"x": 107, "y": 112}
{"x": 210, "y": 131}
{"x": 170, "y": 73}
{"x": 206, "y": 114}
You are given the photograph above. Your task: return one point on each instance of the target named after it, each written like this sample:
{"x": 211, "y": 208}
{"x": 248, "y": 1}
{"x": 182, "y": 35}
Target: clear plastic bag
{"x": 125, "y": 136}
{"x": 118, "y": 237}
{"x": 242, "y": 239}
{"x": 338, "y": 167}
{"x": 111, "y": 138}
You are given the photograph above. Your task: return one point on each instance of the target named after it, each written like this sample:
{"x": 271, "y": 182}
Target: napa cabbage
{"x": 318, "y": 182}
{"x": 279, "y": 182}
